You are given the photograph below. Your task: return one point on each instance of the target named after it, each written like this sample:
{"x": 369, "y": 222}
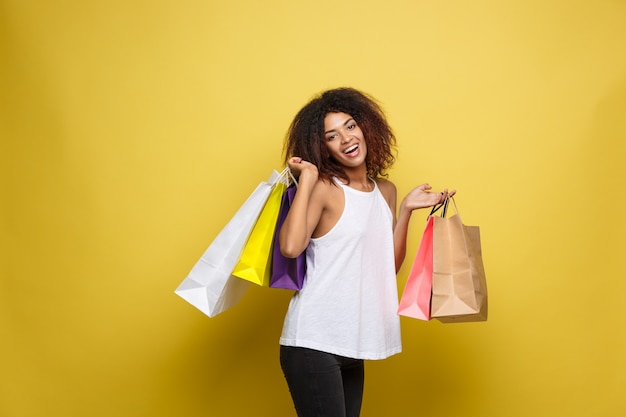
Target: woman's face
{"x": 344, "y": 140}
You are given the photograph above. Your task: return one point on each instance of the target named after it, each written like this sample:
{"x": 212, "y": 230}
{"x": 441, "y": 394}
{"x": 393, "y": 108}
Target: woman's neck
{"x": 359, "y": 179}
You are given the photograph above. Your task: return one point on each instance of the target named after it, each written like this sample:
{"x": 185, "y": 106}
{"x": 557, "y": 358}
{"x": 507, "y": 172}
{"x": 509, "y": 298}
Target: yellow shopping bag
{"x": 256, "y": 259}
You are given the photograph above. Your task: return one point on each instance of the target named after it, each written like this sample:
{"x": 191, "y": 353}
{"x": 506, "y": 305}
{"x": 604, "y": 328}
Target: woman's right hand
{"x": 305, "y": 212}
{"x": 303, "y": 170}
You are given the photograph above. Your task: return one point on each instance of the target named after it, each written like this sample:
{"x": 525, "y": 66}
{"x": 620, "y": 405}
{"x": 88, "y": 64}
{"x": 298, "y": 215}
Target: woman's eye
{"x": 352, "y": 126}
{"x": 331, "y": 137}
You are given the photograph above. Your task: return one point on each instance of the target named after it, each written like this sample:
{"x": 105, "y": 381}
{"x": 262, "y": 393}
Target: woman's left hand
{"x": 422, "y": 197}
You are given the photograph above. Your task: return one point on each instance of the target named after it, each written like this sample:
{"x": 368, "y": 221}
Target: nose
{"x": 345, "y": 137}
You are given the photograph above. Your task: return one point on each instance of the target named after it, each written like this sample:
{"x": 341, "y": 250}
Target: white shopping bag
{"x": 210, "y": 287}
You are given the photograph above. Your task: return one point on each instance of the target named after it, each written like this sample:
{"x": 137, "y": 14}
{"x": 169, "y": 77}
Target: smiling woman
{"x": 344, "y": 140}
{"x": 344, "y": 217}
{"x": 131, "y": 131}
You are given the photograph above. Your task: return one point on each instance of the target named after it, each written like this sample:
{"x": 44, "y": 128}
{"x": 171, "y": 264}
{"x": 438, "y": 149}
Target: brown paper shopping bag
{"x": 459, "y": 281}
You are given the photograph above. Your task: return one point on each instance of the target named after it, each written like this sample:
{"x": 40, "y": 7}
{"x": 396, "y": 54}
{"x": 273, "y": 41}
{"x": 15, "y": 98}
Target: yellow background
{"x": 132, "y": 130}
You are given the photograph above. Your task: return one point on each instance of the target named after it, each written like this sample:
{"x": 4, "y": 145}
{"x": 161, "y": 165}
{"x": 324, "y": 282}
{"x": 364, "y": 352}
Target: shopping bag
{"x": 287, "y": 273}
{"x": 459, "y": 292}
{"x": 255, "y": 262}
{"x": 209, "y": 286}
{"x": 415, "y": 300}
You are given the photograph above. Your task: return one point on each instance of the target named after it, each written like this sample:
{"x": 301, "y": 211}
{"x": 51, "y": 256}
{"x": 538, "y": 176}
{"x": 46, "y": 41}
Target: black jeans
{"x": 323, "y": 384}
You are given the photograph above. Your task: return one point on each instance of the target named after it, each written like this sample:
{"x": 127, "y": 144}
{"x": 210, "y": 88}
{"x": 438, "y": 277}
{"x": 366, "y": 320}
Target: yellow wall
{"x": 132, "y": 131}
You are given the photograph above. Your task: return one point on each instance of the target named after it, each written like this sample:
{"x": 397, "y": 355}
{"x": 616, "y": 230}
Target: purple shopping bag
{"x": 287, "y": 273}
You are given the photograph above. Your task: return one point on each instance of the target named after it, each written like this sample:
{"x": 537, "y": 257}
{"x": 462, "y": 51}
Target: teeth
{"x": 351, "y": 149}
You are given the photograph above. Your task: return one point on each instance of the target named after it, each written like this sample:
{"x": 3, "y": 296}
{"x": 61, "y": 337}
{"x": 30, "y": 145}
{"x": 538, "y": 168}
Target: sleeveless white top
{"x": 349, "y": 302}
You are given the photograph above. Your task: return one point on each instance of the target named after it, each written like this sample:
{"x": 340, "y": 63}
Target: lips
{"x": 351, "y": 149}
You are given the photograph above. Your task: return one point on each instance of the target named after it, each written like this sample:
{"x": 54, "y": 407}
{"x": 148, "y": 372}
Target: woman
{"x": 344, "y": 216}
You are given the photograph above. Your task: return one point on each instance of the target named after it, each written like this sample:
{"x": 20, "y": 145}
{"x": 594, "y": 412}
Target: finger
{"x": 294, "y": 166}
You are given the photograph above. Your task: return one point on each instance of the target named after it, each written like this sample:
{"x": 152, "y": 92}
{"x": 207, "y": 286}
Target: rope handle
{"x": 445, "y": 207}
{"x": 286, "y": 177}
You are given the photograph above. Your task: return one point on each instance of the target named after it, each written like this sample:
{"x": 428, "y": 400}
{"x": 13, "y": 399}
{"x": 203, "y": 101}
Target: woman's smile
{"x": 354, "y": 149}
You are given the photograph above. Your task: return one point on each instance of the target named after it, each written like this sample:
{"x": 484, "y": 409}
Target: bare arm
{"x": 304, "y": 213}
{"x": 388, "y": 189}
{"x": 418, "y": 198}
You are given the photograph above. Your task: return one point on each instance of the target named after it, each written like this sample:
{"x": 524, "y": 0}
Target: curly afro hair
{"x": 305, "y": 137}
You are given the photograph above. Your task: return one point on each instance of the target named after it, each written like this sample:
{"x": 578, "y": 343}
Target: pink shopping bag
{"x": 415, "y": 300}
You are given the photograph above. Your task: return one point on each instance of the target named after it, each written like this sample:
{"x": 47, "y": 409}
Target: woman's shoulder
{"x": 388, "y": 190}
{"x": 385, "y": 185}
{"x": 325, "y": 183}
{"x": 326, "y": 188}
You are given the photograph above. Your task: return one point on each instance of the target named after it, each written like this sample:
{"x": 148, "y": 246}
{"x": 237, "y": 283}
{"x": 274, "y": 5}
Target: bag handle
{"x": 292, "y": 177}
{"x": 286, "y": 177}
{"x": 445, "y": 207}
{"x": 435, "y": 209}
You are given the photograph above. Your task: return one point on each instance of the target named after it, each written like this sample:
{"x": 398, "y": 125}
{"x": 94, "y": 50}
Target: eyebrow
{"x": 344, "y": 123}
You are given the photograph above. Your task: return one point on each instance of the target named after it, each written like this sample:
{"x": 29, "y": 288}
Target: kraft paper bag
{"x": 459, "y": 292}
{"x": 415, "y": 300}
{"x": 287, "y": 273}
{"x": 256, "y": 259}
{"x": 209, "y": 286}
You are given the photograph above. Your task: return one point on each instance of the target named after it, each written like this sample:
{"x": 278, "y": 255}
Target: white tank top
{"x": 348, "y": 304}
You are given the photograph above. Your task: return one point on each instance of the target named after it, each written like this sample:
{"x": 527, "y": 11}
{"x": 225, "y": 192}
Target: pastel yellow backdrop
{"x": 132, "y": 131}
